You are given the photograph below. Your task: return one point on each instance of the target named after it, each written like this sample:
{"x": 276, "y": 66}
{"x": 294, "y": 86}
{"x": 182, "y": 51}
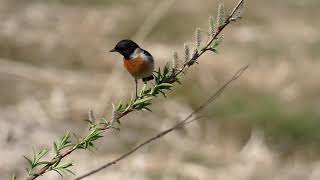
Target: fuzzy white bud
{"x": 175, "y": 62}
{"x": 212, "y": 27}
{"x": 221, "y": 17}
{"x": 186, "y": 52}
{"x": 198, "y": 38}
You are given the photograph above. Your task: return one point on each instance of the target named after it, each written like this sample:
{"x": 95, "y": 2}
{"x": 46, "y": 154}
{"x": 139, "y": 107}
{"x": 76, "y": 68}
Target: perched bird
{"x": 137, "y": 61}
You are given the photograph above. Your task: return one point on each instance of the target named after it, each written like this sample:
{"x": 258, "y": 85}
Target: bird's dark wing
{"x": 149, "y": 78}
{"x": 146, "y": 53}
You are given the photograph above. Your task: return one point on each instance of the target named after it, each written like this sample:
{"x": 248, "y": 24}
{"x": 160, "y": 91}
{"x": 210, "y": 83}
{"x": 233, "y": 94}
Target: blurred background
{"x": 55, "y": 66}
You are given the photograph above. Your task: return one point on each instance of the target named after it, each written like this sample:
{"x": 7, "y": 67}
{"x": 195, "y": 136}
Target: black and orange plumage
{"x": 138, "y": 62}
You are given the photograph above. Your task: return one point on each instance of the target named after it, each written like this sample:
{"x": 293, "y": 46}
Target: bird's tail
{"x": 147, "y": 78}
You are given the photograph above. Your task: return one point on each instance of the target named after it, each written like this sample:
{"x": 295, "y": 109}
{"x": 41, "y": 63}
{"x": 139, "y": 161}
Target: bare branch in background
{"x": 182, "y": 123}
{"x": 165, "y": 79}
{"x": 153, "y": 19}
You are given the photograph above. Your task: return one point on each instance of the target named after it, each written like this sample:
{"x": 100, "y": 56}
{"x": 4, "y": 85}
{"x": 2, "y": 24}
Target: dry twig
{"x": 182, "y": 123}
{"x": 164, "y": 80}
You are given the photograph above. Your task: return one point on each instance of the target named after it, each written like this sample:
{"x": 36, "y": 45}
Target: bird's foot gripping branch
{"x": 165, "y": 79}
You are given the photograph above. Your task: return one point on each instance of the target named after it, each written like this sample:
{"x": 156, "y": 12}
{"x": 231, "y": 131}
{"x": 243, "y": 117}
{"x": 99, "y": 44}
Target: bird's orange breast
{"x": 138, "y": 67}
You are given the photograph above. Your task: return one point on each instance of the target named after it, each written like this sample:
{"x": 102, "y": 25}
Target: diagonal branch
{"x": 182, "y": 123}
{"x": 164, "y": 81}
{"x": 238, "y": 8}
{"x": 197, "y": 54}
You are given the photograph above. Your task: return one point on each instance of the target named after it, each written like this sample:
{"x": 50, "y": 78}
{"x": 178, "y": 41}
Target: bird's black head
{"x": 125, "y": 47}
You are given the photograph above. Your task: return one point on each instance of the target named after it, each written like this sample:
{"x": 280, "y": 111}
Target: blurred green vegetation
{"x": 239, "y": 109}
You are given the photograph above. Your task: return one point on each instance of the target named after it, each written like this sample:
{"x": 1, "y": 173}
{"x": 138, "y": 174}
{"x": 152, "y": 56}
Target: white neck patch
{"x": 136, "y": 53}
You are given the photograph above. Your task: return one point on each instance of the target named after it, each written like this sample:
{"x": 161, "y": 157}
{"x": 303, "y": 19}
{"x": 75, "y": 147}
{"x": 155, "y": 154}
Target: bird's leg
{"x": 136, "y": 81}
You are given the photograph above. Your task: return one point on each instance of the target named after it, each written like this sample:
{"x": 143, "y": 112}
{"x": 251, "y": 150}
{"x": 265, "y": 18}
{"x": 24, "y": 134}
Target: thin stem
{"x": 206, "y": 47}
{"x": 187, "y": 120}
{"x": 136, "y": 81}
{"x": 182, "y": 123}
{"x": 52, "y": 162}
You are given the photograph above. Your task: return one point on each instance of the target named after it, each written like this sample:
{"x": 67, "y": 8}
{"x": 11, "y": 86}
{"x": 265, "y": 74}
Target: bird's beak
{"x": 113, "y": 50}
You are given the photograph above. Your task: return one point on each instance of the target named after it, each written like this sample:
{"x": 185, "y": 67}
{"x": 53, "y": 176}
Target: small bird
{"x": 137, "y": 61}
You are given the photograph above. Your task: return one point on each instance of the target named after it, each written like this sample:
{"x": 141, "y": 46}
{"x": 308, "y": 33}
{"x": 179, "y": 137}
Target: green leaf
{"x": 95, "y": 137}
{"x": 147, "y": 109}
{"x": 13, "y": 177}
{"x": 164, "y": 94}
{"x": 65, "y": 139}
{"x": 140, "y": 101}
{"x": 166, "y": 69}
{"x": 217, "y": 42}
{"x": 42, "y": 153}
{"x": 159, "y": 76}
{"x": 128, "y": 106}
{"x": 42, "y": 162}
{"x": 29, "y": 160}
{"x": 119, "y": 106}
{"x": 55, "y": 164}
{"x": 66, "y": 165}
{"x": 159, "y": 72}
{"x": 164, "y": 86}
{"x": 69, "y": 171}
{"x": 104, "y": 120}
{"x": 214, "y": 50}
{"x": 28, "y": 170}
{"x": 55, "y": 148}
{"x": 66, "y": 145}
{"x": 34, "y": 156}
{"x": 147, "y": 91}
{"x": 142, "y": 92}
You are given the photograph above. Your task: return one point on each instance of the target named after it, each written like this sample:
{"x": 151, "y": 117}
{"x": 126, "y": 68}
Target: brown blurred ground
{"x": 55, "y": 65}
